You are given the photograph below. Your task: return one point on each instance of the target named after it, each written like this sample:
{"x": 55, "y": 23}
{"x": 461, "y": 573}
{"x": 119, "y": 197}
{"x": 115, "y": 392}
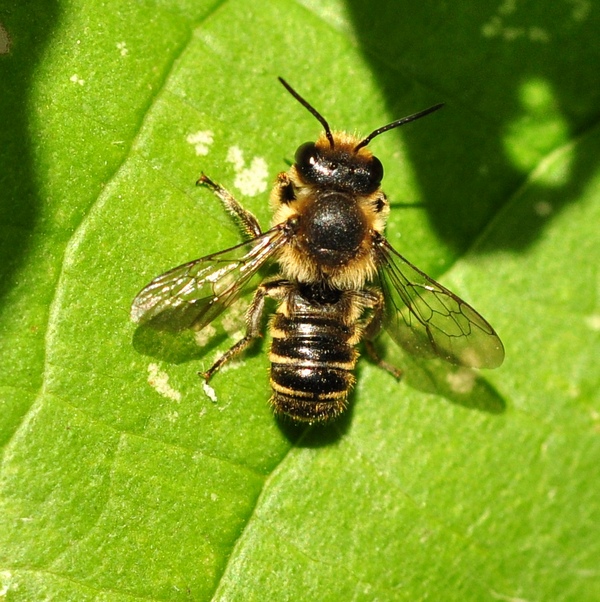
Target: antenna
{"x": 395, "y": 124}
{"x": 314, "y": 111}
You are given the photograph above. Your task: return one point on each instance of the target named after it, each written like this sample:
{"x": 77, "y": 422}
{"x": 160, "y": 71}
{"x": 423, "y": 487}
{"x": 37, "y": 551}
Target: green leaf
{"x": 121, "y": 479}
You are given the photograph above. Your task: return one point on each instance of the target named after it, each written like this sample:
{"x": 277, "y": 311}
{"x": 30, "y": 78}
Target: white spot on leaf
{"x": 201, "y": 141}
{"x": 4, "y": 40}
{"x": 6, "y": 583}
{"x": 235, "y": 155}
{"x": 461, "y": 381}
{"x": 210, "y": 392}
{"x": 159, "y": 381}
{"x": 249, "y": 180}
{"x": 593, "y": 322}
{"x": 76, "y": 79}
{"x": 201, "y": 337}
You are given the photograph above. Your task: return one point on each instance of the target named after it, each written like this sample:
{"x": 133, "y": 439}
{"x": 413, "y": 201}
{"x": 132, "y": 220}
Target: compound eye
{"x": 306, "y": 157}
{"x": 375, "y": 172}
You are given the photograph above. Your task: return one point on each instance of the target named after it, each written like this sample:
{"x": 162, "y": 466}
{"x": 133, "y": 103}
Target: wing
{"x": 428, "y": 320}
{"x": 195, "y": 293}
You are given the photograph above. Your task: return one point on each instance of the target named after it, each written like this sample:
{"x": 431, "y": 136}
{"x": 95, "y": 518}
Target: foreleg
{"x": 247, "y": 221}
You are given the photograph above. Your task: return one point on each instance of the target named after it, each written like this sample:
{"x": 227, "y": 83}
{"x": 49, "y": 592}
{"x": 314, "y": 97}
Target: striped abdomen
{"x": 312, "y": 359}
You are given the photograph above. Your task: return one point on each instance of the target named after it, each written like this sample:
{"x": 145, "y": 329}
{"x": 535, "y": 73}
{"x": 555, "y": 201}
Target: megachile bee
{"x": 340, "y": 281}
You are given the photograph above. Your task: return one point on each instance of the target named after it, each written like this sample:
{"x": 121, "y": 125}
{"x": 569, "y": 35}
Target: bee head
{"x": 339, "y": 167}
{"x": 340, "y": 161}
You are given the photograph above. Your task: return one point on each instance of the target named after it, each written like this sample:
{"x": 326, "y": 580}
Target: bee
{"x": 340, "y": 282}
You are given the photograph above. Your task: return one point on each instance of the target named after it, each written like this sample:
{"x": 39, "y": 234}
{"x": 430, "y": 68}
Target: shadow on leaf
{"x": 318, "y": 434}
{"x": 175, "y": 347}
{"x": 459, "y": 385}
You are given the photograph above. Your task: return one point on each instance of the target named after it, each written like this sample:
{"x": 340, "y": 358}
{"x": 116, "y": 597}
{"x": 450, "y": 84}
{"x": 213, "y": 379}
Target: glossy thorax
{"x": 332, "y": 199}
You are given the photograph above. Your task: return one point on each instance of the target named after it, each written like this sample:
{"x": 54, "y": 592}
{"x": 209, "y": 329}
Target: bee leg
{"x": 371, "y": 330}
{"x": 229, "y": 354}
{"x": 377, "y": 359}
{"x": 283, "y": 191}
{"x": 247, "y": 221}
{"x": 254, "y": 314}
{"x": 253, "y": 319}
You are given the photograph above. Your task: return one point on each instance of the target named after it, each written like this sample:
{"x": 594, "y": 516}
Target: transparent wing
{"x": 428, "y": 320}
{"x": 195, "y": 293}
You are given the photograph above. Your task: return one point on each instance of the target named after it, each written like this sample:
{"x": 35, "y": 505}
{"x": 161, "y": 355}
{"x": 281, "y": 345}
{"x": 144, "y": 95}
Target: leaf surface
{"x": 121, "y": 479}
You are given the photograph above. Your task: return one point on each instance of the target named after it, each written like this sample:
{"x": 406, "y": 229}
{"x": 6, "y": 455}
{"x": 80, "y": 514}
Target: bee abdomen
{"x": 312, "y": 359}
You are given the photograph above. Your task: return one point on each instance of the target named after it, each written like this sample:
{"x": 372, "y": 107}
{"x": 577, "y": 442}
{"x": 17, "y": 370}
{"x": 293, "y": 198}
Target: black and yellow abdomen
{"x": 312, "y": 362}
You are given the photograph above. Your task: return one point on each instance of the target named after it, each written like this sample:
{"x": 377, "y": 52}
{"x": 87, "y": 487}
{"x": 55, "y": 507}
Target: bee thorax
{"x": 333, "y": 229}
